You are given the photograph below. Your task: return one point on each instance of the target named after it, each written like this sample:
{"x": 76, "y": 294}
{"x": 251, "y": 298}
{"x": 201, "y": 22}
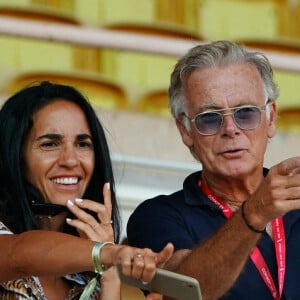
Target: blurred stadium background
{"x": 126, "y": 80}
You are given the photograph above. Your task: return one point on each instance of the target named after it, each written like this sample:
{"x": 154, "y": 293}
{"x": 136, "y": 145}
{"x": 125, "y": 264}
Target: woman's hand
{"x": 154, "y": 296}
{"x": 93, "y": 228}
{"x": 110, "y": 285}
{"x": 137, "y": 263}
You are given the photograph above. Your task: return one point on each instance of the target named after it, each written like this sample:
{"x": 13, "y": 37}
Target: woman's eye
{"x": 83, "y": 144}
{"x": 49, "y": 145}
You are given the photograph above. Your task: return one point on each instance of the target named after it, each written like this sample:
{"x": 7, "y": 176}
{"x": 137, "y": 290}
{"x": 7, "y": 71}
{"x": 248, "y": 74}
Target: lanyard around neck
{"x": 255, "y": 255}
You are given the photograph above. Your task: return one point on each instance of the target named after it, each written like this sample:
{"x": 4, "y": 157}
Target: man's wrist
{"x": 246, "y": 221}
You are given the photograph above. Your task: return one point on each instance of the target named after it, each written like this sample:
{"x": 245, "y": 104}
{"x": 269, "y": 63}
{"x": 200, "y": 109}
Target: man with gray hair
{"x": 235, "y": 225}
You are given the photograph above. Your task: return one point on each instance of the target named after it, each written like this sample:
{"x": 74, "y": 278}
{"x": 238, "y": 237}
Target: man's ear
{"x": 185, "y": 135}
{"x": 271, "y": 114}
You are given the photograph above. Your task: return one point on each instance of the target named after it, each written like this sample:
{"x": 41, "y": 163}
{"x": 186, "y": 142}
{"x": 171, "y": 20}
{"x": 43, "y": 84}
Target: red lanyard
{"x": 256, "y": 256}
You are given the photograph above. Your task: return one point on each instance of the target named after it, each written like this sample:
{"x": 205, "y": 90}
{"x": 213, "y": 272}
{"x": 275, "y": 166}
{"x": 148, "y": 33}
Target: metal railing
{"x": 104, "y": 38}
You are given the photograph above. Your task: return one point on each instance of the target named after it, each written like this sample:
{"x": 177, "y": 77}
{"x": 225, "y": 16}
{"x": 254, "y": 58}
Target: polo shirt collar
{"x": 194, "y": 196}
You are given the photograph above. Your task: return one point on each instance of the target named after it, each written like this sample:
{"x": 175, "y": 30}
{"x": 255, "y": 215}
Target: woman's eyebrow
{"x": 84, "y": 136}
{"x": 52, "y": 136}
{"x": 56, "y": 136}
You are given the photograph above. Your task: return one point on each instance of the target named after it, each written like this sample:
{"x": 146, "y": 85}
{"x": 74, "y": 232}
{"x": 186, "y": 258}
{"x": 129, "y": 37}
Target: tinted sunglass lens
{"x": 208, "y": 123}
{"x": 247, "y": 117}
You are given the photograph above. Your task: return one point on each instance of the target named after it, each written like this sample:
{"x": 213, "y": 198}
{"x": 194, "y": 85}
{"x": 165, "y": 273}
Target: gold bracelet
{"x": 96, "y": 253}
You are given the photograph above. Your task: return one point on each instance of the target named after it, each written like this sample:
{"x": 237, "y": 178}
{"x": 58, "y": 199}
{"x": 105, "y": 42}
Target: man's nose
{"x": 229, "y": 126}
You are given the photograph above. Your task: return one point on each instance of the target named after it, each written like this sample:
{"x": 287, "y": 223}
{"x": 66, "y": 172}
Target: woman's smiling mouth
{"x": 65, "y": 180}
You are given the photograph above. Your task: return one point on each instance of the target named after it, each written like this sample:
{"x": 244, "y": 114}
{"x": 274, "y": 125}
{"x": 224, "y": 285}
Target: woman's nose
{"x": 68, "y": 156}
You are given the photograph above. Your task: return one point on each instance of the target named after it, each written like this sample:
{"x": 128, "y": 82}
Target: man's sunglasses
{"x": 244, "y": 117}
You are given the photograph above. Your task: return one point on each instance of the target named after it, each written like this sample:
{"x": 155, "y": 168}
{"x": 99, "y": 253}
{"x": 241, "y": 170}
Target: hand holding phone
{"x": 167, "y": 283}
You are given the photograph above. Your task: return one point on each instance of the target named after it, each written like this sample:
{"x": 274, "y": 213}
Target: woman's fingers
{"x": 165, "y": 254}
{"x": 98, "y": 233}
{"x": 139, "y": 265}
{"x": 103, "y": 211}
{"x": 107, "y": 200}
{"x": 145, "y": 263}
{"x": 93, "y": 219}
{"x": 142, "y": 263}
{"x": 154, "y": 296}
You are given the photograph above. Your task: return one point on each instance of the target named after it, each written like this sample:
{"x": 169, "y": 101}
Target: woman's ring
{"x": 139, "y": 255}
{"x": 107, "y": 223}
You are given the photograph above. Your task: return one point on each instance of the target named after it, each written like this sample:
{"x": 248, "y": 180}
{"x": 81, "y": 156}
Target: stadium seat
{"x": 289, "y": 18}
{"x": 154, "y": 102}
{"x": 289, "y": 120}
{"x": 18, "y": 3}
{"x": 288, "y": 81}
{"x": 25, "y": 54}
{"x": 36, "y": 14}
{"x": 101, "y": 93}
{"x": 183, "y": 13}
{"x": 98, "y": 12}
{"x": 239, "y": 19}
{"x": 157, "y": 29}
{"x": 288, "y": 103}
{"x": 282, "y": 45}
{"x": 142, "y": 70}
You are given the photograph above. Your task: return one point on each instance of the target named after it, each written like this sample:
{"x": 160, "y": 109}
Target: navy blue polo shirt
{"x": 187, "y": 217}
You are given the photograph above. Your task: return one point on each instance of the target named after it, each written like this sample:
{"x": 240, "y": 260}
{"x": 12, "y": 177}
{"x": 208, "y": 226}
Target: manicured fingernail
{"x": 68, "y": 220}
{"x": 108, "y": 185}
{"x": 69, "y": 202}
{"x": 78, "y": 200}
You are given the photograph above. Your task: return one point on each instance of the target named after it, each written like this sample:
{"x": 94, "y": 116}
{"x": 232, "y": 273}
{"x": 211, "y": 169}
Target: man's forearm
{"x": 218, "y": 261}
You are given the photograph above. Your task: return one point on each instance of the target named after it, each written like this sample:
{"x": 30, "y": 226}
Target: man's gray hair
{"x": 220, "y": 53}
